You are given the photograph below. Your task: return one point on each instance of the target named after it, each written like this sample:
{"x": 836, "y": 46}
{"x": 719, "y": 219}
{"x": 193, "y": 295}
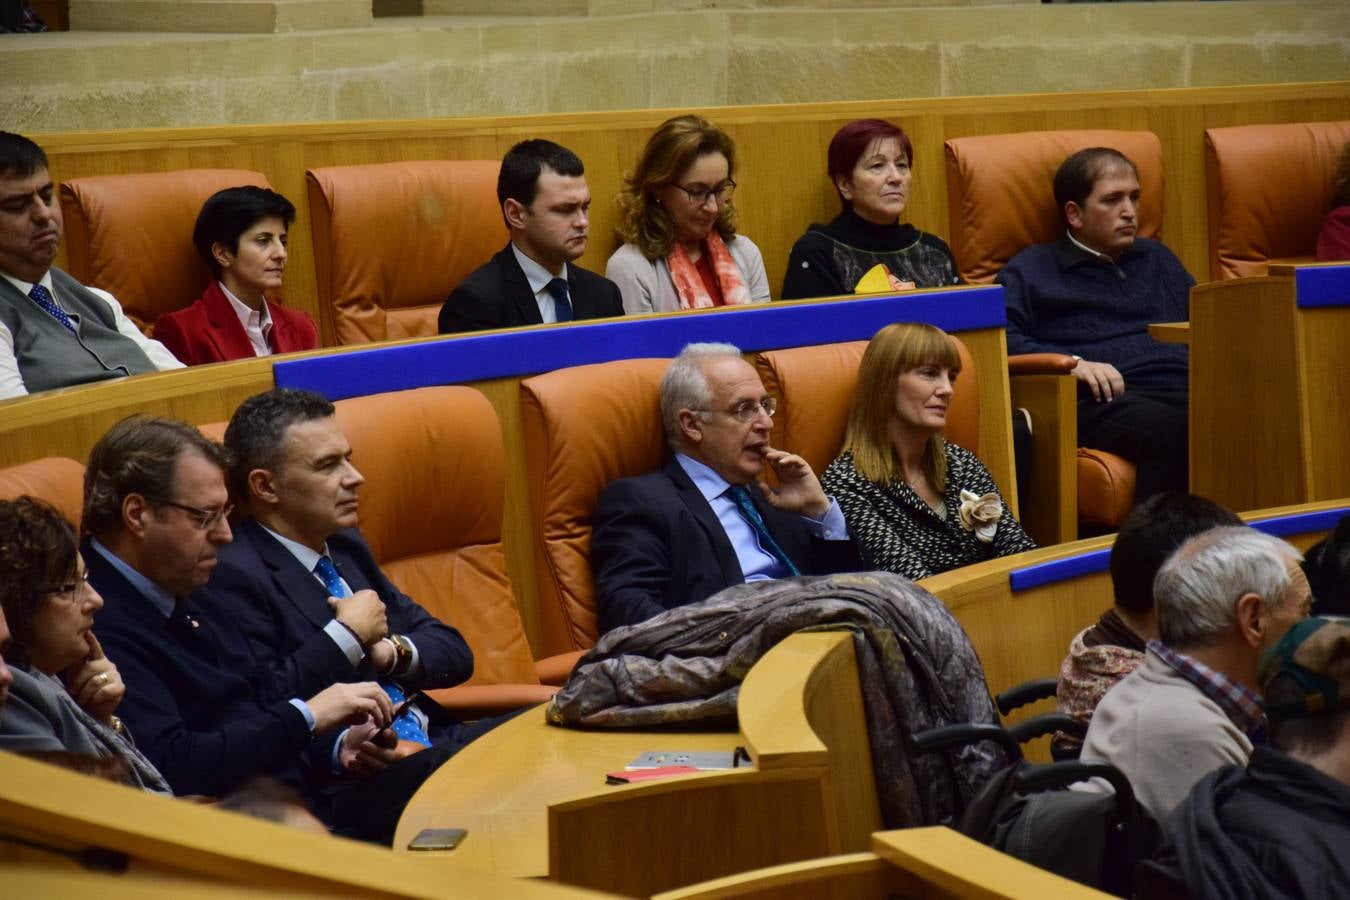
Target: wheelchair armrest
{"x": 1024, "y": 693}
{"x": 950, "y": 736}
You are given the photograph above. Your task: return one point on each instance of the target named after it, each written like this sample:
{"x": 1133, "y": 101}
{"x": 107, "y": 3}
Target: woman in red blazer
{"x": 241, "y": 233}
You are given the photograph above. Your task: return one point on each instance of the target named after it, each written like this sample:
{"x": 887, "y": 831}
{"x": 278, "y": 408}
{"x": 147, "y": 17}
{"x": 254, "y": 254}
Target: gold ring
{"x": 102, "y": 678}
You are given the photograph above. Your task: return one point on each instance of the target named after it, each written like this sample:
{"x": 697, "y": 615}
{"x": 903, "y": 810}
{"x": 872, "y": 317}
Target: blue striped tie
{"x": 741, "y": 497}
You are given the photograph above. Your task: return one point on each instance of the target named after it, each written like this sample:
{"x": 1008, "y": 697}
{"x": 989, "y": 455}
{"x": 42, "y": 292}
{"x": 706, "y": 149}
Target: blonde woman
{"x": 916, "y": 504}
{"x": 678, "y": 224}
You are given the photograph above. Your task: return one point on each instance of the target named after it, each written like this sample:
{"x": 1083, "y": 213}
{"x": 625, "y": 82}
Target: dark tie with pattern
{"x": 562, "y": 306}
{"x": 405, "y": 726}
{"x": 746, "y": 507}
{"x": 43, "y": 298}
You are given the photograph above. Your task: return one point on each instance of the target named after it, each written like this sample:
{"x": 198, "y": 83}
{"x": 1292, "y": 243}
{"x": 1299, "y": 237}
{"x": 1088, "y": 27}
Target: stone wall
{"x": 710, "y": 52}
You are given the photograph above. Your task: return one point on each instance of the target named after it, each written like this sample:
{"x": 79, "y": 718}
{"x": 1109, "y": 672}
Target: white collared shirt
{"x": 257, "y": 322}
{"x": 1086, "y": 249}
{"x": 11, "y": 381}
{"x": 538, "y": 278}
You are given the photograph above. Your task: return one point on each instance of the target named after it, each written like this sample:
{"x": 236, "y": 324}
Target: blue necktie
{"x": 405, "y": 726}
{"x": 43, "y": 298}
{"x": 741, "y": 497}
{"x": 562, "y": 306}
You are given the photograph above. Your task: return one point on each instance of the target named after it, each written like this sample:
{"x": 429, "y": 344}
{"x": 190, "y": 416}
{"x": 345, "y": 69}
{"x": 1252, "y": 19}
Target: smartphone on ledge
{"x": 438, "y": 839}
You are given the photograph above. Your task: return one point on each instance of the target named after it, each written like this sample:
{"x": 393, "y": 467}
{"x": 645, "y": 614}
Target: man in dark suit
{"x": 156, "y": 509}
{"x": 305, "y": 587}
{"x": 704, "y": 522}
{"x": 545, "y": 202}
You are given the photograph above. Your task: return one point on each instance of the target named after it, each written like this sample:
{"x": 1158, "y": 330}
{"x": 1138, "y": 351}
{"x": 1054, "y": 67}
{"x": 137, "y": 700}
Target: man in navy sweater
{"x": 1092, "y": 294}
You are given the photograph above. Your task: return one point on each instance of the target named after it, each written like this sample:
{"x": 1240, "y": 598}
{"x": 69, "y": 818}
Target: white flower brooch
{"x": 981, "y": 514}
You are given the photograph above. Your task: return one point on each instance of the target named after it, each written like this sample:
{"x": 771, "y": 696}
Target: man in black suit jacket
{"x": 291, "y": 466}
{"x": 680, "y": 535}
{"x": 197, "y": 704}
{"x": 545, "y": 202}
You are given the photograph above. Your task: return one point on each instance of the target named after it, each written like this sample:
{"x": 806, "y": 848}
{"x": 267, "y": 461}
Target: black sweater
{"x": 829, "y": 260}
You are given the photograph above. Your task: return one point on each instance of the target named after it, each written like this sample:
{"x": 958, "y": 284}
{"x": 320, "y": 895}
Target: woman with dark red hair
{"x": 869, "y": 164}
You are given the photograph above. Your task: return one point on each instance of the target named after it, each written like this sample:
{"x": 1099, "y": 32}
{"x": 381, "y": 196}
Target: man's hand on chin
{"x": 799, "y": 489}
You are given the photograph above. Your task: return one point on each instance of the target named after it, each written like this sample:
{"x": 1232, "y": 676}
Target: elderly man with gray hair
{"x": 704, "y": 521}
{"x": 1224, "y": 598}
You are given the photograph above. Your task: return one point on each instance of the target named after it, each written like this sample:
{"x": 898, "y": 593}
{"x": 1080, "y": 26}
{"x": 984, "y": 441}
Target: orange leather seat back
{"x": 131, "y": 235}
{"x": 1268, "y": 188}
{"x": 815, "y": 386}
{"x": 55, "y": 479}
{"x": 584, "y": 427}
{"x": 431, "y": 510}
{"x": 392, "y": 240}
{"x": 1001, "y": 197}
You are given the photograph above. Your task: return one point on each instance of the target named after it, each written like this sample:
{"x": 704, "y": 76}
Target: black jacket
{"x": 497, "y": 295}
{"x": 657, "y": 545}
{"x": 1277, "y": 829}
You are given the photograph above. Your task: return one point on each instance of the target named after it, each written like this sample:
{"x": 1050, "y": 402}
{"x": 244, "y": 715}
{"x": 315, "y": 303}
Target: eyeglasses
{"x": 746, "y": 410}
{"x": 204, "y": 519}
{"x": 73, "y": 590}
{"x": 699, "y": 196}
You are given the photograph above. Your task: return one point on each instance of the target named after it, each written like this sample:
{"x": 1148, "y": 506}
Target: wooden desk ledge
{"x": 949, "y": 864}
{"x": 50, "y": 805}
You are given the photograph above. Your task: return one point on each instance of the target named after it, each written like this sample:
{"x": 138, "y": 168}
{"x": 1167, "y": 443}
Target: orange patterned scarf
{"x": 688, "y": 284}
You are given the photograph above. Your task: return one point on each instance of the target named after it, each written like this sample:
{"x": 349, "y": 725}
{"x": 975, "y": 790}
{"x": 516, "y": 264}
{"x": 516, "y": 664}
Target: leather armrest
{"x": 555, "y": 669}
{"x": 473, "y": 701}
{"x": 1041, "y": 364}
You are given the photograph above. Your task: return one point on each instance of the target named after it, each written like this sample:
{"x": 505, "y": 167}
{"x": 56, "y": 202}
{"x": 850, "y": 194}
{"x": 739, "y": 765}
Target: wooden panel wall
{"x": 782, "y": 154}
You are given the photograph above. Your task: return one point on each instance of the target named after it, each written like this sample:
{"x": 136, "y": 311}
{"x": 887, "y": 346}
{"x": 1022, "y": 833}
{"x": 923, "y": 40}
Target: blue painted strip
{"x": 770, "y": 326}
{"x": 1059, "y": 570}
{"x": 1302, "y": 523}
{"x": 1322, "y": 286}
{"x": 1098, "y": 560}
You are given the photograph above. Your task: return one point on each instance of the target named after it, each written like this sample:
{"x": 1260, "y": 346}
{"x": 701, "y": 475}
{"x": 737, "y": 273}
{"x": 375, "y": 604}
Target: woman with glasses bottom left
{"x": 678, "y": 224}
{"x": 64, "y": 690}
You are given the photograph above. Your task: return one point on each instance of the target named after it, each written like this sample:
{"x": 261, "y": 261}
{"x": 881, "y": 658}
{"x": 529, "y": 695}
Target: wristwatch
{"x": 403, "y": 654}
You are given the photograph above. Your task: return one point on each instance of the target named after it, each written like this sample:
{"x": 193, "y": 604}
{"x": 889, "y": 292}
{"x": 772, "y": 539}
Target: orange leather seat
{"x": 391, "y": 240}
{"x": 815, "y": 387}
{"x": 55, "y": 479}
{"x": 431, "y": 511}
{"x": 1268, "y": 187}
{"x": 1000, "y": 200}
{"x": 131, "y": 235}
{"x": 584, "y": 427}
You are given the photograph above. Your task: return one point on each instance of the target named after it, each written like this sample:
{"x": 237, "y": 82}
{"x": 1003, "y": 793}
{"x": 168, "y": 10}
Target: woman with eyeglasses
{"x": 678, "y": 224}
{"x": 61, "y": 701}
{"x": 866, "y": 249}
{"x": 915, "y": 503}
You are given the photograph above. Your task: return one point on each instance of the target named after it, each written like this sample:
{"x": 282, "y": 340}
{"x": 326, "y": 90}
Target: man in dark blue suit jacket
{"x": 197, "y": 704}
{"x": 678, "y": 536}
{"x": 291, "y": 465}
{"x": 532, "y": 281}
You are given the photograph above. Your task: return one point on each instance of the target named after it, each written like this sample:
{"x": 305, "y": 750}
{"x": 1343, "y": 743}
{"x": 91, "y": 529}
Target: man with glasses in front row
{"x": 705, "y": 522}
{"x": 156, "y": 511}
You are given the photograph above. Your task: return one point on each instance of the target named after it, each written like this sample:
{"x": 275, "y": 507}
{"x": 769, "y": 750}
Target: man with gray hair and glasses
{"x": 704, "y": 521}
{"x": 1224, "y": 598}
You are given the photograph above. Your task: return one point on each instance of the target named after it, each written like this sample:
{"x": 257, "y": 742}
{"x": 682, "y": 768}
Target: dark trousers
{"x": 368, "y": 809}
{"x": 1147, "y": 427}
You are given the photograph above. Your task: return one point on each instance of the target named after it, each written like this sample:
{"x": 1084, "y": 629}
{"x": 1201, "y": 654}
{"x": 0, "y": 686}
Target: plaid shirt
{"x": 1239, "y": 703}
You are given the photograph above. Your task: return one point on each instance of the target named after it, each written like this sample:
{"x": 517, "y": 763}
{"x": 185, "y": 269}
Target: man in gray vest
{"x": 54, "y": 331}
